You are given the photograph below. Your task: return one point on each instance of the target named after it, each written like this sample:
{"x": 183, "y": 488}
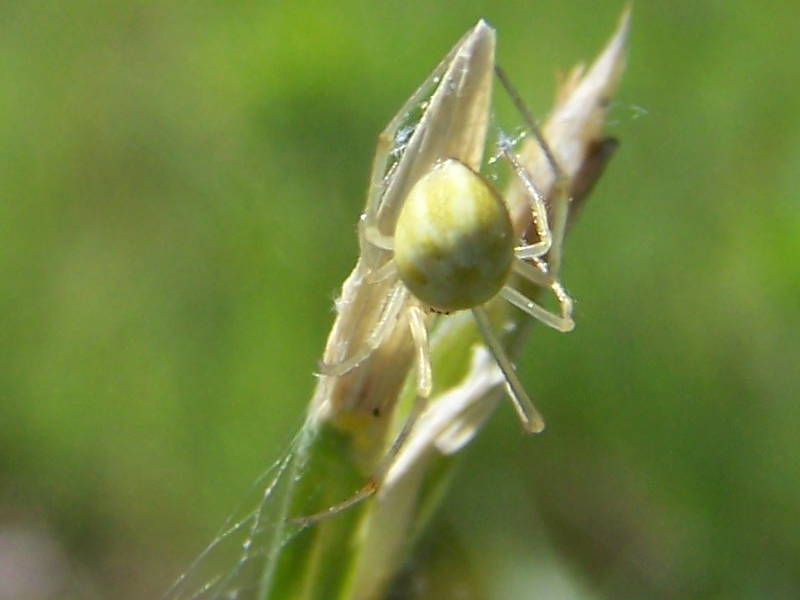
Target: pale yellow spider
{"x": 453, "y": 248}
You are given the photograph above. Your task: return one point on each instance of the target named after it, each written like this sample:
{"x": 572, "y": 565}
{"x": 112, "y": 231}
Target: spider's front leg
{"x": 531, "y": 418}
{"x": 369, "y": 225}
{"x": 545, "y": 254}
{"x": 540, "y": 273}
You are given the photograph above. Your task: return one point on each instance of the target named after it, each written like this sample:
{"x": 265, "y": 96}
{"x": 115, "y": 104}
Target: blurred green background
{"x": 179, "y": 186}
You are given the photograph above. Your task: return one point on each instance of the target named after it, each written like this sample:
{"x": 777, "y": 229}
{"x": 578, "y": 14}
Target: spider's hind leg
{"x": 389, "y": 313}
{"x": 538, "y": 275}
{"x": 419, "y": 333}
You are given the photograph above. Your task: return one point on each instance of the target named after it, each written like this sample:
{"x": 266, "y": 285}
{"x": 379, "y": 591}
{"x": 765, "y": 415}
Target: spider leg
{"x": 365, "y": 492}
{"x": 560, "y": 194}
{"x": 541, "y": 277}
{"x": 531, "y": 419}
{"x": 369, "y": 227}
{"x": 382, "y": 273}
{"x": 389, "y": 313}
{"x": 419, "y": 332}
{"x": 538, "y": 208}
{"x": 560, "y": 201}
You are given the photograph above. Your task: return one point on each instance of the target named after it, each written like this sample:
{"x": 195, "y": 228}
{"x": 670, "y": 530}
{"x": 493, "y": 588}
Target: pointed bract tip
{"x": 624, "y": 23}
{"x": 483, "y": 25}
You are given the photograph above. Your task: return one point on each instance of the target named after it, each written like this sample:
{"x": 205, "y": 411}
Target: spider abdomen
{"x": 453, "y": 243}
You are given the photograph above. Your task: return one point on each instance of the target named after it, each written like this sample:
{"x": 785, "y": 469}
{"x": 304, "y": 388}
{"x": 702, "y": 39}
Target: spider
{"x": 453, "y": 248}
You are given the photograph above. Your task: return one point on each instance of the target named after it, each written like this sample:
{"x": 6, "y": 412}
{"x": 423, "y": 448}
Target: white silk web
{"x": 239, "y": 561}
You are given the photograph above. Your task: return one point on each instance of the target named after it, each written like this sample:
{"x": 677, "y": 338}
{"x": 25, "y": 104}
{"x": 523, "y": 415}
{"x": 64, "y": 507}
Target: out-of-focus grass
{"x": 178, "y": 193}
